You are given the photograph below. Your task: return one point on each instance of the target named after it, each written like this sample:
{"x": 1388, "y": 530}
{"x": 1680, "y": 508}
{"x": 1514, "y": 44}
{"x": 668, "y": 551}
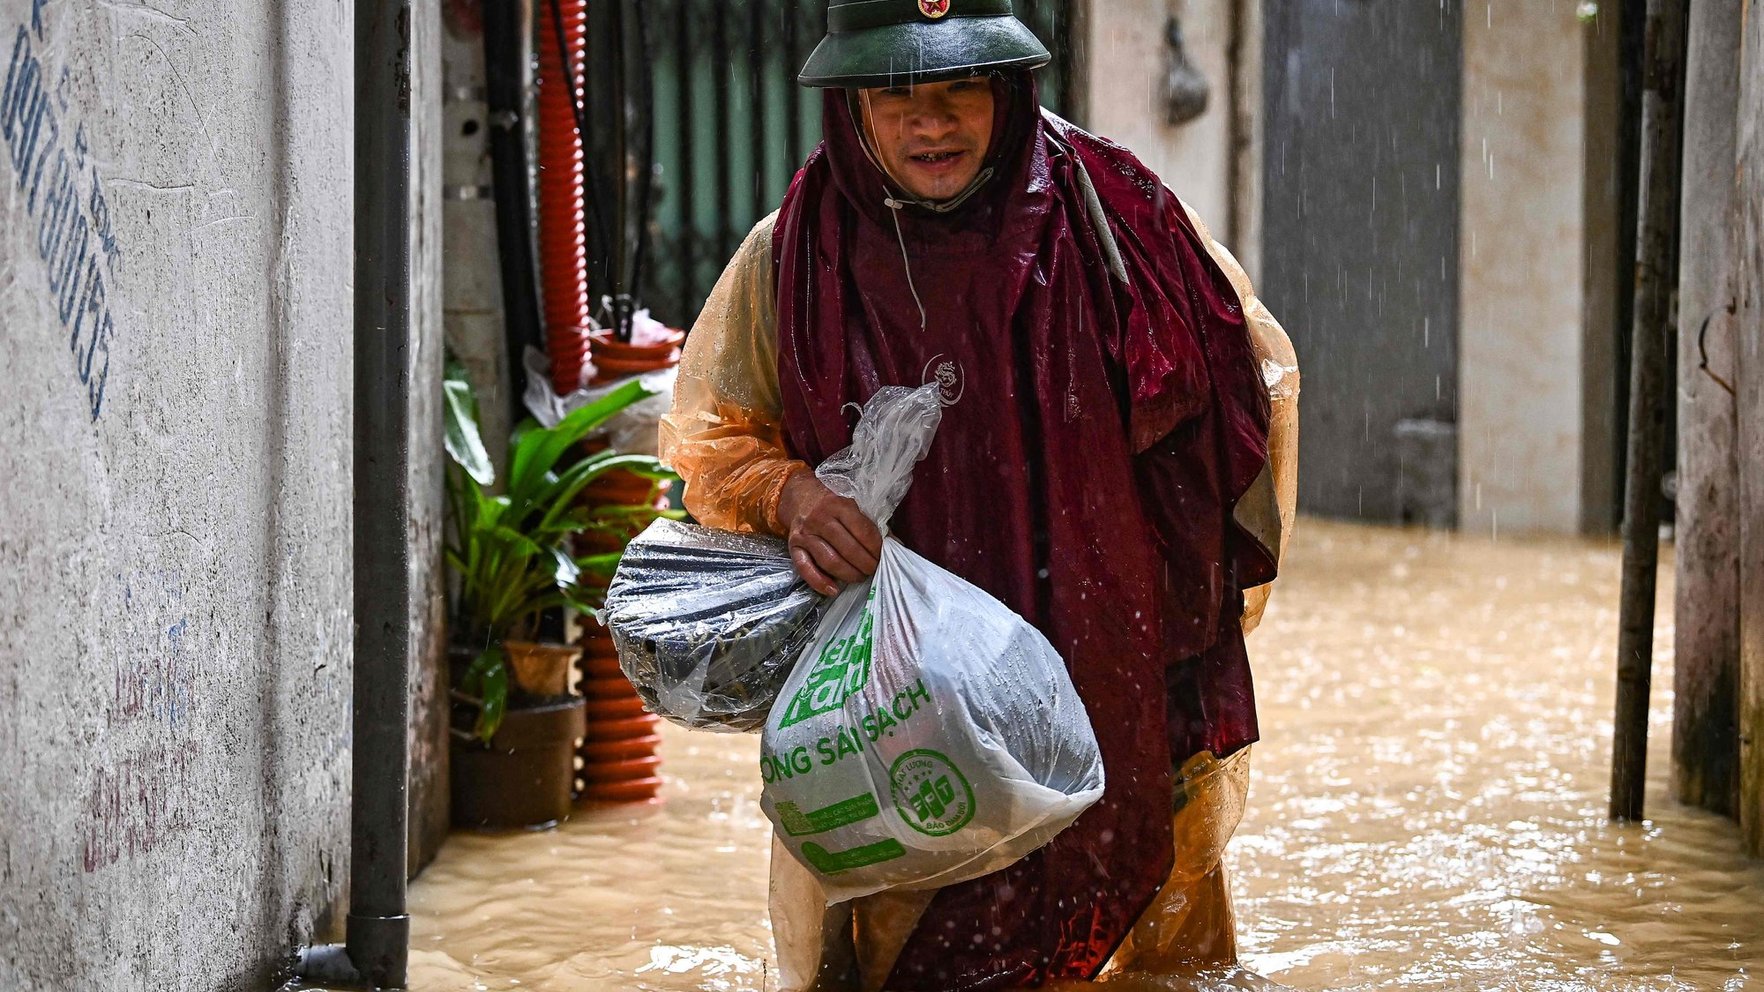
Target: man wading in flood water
{"x": 1116, "y": 464}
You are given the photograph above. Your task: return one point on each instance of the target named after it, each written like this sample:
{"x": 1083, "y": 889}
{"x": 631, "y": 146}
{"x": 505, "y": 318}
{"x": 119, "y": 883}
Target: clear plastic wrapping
{"x": 632, "y": 431}
{"x": 708, "y": 623}
{"x": 725, "y": 433}
{"x": 929, "y": 735}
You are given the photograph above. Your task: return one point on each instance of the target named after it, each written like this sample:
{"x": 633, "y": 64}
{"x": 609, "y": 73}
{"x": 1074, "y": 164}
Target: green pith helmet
{"x": 892, "y": 42}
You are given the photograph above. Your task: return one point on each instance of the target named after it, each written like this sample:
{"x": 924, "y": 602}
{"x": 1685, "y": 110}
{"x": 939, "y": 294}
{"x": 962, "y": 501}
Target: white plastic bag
{"x": 634, "y": 430}
{"x": 928, "y": 735}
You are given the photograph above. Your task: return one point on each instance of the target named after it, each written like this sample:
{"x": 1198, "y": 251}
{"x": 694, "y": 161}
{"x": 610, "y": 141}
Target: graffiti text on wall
{"x": 137, "y": 803}
{"x": 142, "y": 796}
{"x": 65, "y": 202}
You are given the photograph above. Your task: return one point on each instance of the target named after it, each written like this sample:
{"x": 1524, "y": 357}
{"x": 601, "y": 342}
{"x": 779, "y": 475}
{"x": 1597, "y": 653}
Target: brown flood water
{"x": 1426, "y": 811}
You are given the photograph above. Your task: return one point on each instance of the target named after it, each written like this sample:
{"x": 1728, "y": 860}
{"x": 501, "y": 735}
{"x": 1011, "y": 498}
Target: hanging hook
{"x": 1703, "y": 348}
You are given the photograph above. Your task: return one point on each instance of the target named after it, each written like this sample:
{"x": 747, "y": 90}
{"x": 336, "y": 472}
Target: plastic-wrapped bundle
{"x": 708, "y": 623}
{"x": 929, "y": 735}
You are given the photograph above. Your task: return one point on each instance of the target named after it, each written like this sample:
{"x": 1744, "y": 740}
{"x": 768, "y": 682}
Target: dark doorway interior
{"x": 1360, "y": 246}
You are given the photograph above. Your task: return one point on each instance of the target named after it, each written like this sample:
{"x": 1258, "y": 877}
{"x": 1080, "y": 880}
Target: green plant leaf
{"x": 538, "y": 449}
{"x": 562, "y": 495}
{"x": 515, "y": 541}
{"x": 487, "y": 679}
{"x": 462, "y": 439}
{"x": 613, "y": 511}
{"x": 510, "y": 550}
{"x": 601, "y": 564}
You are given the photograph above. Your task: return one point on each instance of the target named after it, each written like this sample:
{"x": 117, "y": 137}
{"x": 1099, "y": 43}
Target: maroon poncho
{"x": 1086, "y": 477}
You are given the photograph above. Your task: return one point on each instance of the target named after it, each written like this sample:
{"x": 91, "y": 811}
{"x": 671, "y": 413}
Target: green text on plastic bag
{"x": 842, "y": 670}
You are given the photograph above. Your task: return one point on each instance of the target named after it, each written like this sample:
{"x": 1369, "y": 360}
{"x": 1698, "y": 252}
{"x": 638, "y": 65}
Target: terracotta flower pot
{"x": 666, "y": 351}
{"x": 598, "y": 752}
{"x": 617, "y": 755}
{"x": 607, "y": 688}
{"x": 602, "y": 667}
{"x": 623, "y": 729}
{"x": 622, "y": 771}
{"x": 595, "y": 543}
{"x": 603, "y": 710}
{"x": 615, "y": 359}
{"x": 639, "y": 790}
{"x": 541, "y": 669}
{"x": 622, "y": 487}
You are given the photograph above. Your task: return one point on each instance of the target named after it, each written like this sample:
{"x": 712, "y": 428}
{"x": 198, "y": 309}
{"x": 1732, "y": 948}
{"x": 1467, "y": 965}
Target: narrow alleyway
{"x": 1427, "y": 811}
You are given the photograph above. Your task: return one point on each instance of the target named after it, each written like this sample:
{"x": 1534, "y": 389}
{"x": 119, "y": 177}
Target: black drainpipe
{"x": 507, "y": 55}
{"x": 378, "y": 926}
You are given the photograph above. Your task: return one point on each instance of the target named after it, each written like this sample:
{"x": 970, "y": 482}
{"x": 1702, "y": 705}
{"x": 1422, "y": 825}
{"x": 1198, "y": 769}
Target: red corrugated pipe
{"x": 563, "y": 234}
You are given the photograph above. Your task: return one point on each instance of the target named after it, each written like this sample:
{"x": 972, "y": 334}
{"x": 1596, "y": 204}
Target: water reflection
{"x": 1427, "y": 812}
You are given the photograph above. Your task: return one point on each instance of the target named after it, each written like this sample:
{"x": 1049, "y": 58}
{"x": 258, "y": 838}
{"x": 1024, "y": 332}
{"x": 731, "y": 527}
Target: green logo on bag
{"x": 841, "y": 671}
{"x": 930, "y": 793}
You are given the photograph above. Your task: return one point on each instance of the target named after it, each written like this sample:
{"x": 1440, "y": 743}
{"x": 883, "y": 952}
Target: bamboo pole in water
{"x": 1705, "y": 737}
{"x": 1656, "y": 277}
{"x": 1749, "y": 321}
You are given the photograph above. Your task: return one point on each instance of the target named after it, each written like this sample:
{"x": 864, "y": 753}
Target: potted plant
{"x": 511, "y": 564}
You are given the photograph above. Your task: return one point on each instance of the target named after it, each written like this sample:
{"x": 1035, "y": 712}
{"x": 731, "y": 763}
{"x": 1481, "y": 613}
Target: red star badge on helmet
{"x": 934, "y": 9}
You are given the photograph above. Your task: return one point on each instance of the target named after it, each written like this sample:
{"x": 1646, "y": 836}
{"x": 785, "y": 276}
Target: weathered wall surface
{"x": 1747, "y": 237}
{"x": 1705, "y": 748}
{"x": 473, "y": 283}
{"x": 429, "y": 809}
{"x": 175, "y": 440}
{"x": 1519, "y": 350}
{"x": 1360, "y": 246}
{"x": 1127, "y": 58}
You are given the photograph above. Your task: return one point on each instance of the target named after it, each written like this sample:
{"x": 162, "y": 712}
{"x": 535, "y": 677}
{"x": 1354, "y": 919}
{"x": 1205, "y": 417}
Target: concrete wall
{"x": 473, "y": 281}
{"x": 1360, "y": 247}
{"x": 1535, "y": 444}
{"x": 1705, "y": 749}
{"x": 1746, "y": 236}
{"x": 1520, "y": 345}
{"x": 429, "y": 809}
{"x": 1718, "y": 734}
{"x": 1126, "y": 55}
{"x": 175, "y": 436}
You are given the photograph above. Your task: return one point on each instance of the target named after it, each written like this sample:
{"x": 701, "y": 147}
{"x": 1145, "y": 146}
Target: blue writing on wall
{"x": 64, "y": 202}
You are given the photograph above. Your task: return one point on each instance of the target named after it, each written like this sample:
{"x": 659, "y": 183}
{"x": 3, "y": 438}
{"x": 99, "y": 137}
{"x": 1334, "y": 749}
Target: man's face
{"x": 933, "y": 137}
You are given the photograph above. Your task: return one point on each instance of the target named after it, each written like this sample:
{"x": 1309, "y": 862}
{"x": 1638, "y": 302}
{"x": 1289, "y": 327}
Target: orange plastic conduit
{"x": 563, "y": 234}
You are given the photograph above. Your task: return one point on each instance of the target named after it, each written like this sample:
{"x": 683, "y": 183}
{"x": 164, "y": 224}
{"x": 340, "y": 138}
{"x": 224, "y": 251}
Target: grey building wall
{"x": 1705, "y": 668}
{"x": 1523, "y": 343}
{"x": 1746, "y": 235}
{"x": 1360, "y": 246}
{"x": 175, "y": 445}
{"x": 429, "y": 809}
{"x": 472, "y": 308}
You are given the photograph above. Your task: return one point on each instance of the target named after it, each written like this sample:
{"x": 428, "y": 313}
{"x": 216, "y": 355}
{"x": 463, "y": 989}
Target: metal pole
{"x": 378, "y": 926}
{"x": 617, "y": 167}
{"x": 685, "y": 185}
{"x": 507, "y": 55}
{"x": 1656, "y": 279}
{"x": 724, "y": 168}
{"x": 757, "y": 63}
{"x": 793, "y": 94}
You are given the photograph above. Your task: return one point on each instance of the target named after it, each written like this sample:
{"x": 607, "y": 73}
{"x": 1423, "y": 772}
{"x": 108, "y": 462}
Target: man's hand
{"x": 831, "y": 541}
